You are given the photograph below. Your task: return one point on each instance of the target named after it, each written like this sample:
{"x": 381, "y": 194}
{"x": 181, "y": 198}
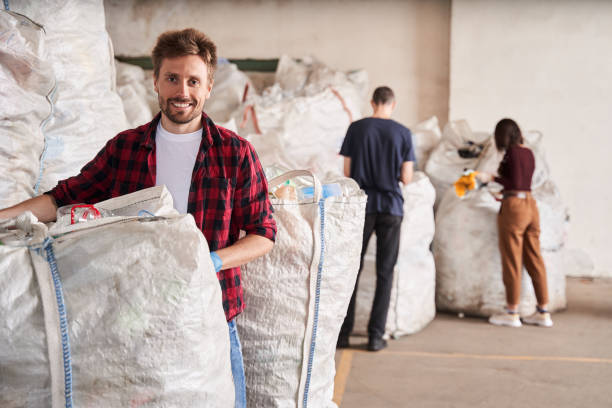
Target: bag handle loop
{"x": 278, "y": 180}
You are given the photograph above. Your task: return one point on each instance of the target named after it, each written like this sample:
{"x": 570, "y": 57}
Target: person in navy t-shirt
{"x": 378, "y": 155}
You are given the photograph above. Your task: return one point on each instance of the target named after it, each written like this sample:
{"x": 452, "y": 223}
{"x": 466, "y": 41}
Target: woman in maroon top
{"x": 518, "y": 224}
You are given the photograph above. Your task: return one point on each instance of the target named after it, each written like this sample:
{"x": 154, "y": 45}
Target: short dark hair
{"x": 383, "y": 95}
{"x": 178, "y": 43}
{"x": 507, "y": 134}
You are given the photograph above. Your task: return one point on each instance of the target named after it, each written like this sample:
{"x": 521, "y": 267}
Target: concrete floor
{"x": 467, "y": 362}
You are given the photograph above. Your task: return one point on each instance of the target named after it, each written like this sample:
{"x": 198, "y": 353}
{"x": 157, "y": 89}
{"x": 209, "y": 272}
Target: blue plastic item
{"x": 329, "y": 190}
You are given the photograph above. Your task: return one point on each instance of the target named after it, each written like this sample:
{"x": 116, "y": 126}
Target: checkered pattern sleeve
{"x": 252, "y": 209}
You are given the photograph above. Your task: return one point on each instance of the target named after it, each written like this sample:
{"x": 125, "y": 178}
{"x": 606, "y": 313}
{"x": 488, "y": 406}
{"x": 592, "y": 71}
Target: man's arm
{"x": 407, "y": 172}
{"x": 244, "y": 250}
{"x": 252, "y": 213}
{"x": 43, "y": 207}
{"x": 347, "y": 166}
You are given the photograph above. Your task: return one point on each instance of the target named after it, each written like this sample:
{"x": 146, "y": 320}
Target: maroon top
{"x": 516, "y": 169}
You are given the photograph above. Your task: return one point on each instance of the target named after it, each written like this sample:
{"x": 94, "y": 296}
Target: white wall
{"x": 548, "y": 65}
{"x": 402, "y": 44}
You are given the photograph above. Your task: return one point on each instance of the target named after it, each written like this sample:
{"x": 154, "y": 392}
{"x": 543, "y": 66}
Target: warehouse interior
{"x": 471, "y": 60}
{"x": 291, "y": 78}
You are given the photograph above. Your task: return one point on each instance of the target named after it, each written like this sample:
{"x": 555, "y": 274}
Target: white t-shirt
{"x": 175, "y": 156}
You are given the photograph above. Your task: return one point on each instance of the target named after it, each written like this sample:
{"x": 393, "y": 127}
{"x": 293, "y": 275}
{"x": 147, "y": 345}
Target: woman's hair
{"x": 507, "y": 133}
{"x": 189, "y": 41}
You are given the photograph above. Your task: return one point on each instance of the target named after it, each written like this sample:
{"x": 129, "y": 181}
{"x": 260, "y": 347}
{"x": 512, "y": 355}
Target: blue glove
{"x": 216, "y": 261}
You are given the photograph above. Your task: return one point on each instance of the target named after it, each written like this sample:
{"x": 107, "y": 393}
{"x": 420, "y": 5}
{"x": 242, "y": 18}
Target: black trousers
{"x": 387, "y": 229}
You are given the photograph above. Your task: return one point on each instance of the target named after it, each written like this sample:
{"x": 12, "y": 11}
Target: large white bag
{"x": 426, "y": 136}
{"x": 26, "y": 79}
{"x": 86, "y": 109}
{"x": 412, "y": 304}
{"x": 136, "y": 92}
{"x": 230, "y": 87}
{"x": 310, "y": 93}
{"x": 117, "y": 312}
{"x": 296, "y": 297}
{"x": 468, "y": 265}
{"x": 282, "y": 138}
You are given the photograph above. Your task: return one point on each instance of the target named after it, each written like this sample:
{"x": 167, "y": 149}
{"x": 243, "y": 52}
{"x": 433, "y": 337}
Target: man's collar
{"x": 148, "y": 140}
{"x": 209, "y": 132}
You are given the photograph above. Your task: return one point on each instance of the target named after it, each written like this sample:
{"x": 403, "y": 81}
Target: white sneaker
{"x": 506, "y": 319}
{"x": 539, "y": 319}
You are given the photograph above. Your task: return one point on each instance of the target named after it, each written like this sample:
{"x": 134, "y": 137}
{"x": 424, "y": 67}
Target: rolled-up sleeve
{"x": 252, "y": 208}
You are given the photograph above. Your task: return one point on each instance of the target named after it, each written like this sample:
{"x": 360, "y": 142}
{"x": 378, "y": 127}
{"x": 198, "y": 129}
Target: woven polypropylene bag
{"x": 86, "y": 110}
{"x": 412, "y": 304}
{"x": 296, "y": 298}
{"x": 26, "y": 79}
{"x": 444, "y": 165}
{"x": 116, "y": 312}
{"x": 468, "y": 264}
{"x": 426, "y": 136}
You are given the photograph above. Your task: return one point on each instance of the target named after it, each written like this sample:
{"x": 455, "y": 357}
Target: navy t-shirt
{"x": 377, "y": 148}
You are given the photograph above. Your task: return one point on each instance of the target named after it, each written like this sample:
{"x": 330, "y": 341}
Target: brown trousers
{"x": 518, "y": 225}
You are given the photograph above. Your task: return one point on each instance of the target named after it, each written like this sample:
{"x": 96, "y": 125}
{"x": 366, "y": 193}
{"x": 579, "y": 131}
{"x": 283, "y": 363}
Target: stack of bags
{"x": 84, "y": 109}
{"x": 300, "y": 121}
{"x": 26, "y": 83}
{"x": 135, "y": 87}
{"x": 426, "y": 136}
{"x": 112, "y": 312}
{"x": 230, "y": 89}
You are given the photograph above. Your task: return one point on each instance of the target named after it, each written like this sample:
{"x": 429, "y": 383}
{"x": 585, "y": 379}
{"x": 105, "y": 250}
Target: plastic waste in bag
{"x": 466, "y": 182}
{"x": 76, "y": 213}
{"x": 329, "y": 190}
{"x": 470, "y": 150}
{"x": 286, "y": 192}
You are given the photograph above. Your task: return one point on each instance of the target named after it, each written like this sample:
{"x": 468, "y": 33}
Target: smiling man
{"x": 211, "y": 172}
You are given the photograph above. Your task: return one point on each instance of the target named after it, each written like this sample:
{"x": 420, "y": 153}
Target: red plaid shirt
{"x": 228, "y": 193}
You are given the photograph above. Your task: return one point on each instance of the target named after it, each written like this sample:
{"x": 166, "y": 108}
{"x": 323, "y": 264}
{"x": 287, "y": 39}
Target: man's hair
{"x": 179, "y": 43}
{"x": 507, "y": 133}
{"x": 383, "y": 95}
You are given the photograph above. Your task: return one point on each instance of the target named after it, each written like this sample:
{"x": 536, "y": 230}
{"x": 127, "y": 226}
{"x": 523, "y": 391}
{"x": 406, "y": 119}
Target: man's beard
{"x": 165, "y": 108}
